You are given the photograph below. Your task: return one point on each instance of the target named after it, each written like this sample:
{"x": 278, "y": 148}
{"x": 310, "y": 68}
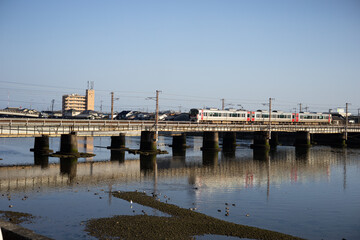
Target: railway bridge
{"x": 264, "y": 134}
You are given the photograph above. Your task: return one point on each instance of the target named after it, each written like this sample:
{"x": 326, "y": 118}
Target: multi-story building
{"x": 79, "y": 102}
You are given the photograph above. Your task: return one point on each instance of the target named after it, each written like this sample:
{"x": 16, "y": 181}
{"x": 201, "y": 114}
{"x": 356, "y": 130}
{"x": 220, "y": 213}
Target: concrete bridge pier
{"x": 261, "y": 140}
{"x": 148, "y": 142}
{"x": 302, "y": 139}
{"x": 229, "y": 142}
{"x": 334, "y": 140}
{"x": 210, "y": 141}
{"x": 340, "y": 140}
{"x": 69, "y": 144}
{"x": 41, "y": 145}
{"x": 353, "y": 140}
{"x": 179, "y": 141}
{"x": 118, "y": 142}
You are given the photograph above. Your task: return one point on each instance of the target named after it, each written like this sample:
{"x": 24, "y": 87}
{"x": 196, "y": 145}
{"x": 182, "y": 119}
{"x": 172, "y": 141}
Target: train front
{"x": 194, "y": 115}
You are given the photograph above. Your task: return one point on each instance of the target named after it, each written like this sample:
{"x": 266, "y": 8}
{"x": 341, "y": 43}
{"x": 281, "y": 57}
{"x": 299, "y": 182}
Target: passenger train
{"x": 211, "y": 115}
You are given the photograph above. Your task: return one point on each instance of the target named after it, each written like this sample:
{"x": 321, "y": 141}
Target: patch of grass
{"x": 183, "y": 224}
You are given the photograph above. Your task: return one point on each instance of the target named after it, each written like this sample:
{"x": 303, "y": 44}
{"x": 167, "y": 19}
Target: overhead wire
{"x": 197, "y": 101}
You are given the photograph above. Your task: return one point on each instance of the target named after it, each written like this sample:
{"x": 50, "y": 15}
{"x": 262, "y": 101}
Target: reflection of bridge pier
{"x": 116, "y": 155}
{"x": 261, "y": 154}
{"x": 41, "y": 160}
{"x": 302, "y": 154}
{"x": 228, "y": 155}
{"x": 210, "y": 158}
{"x": 148, "y": 166}
{"x": 68, "y": 166}
{"x": 148, "y": 163}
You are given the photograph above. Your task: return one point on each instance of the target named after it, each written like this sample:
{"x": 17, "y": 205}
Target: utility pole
{"x": 52, "y": 105}
{"x": 270, "y": 99}
{"x": 346, "y": 121}
{"x": 300, "y": 104}
{"x": 223, "y": 103}
{"x": 112, "y": 105}
{"x": 157, "y": 115}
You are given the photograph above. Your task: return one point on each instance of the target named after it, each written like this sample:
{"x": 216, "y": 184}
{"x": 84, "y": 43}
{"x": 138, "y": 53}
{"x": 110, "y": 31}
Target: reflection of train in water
{"x": 211, "y": 115}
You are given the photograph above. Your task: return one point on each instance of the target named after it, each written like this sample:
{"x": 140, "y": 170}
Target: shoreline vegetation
{"x": 183, "y": 223}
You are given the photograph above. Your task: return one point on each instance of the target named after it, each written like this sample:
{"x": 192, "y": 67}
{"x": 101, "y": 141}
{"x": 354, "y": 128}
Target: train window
{"x": 265, "y": 115}
{"x": 257, "y": 115}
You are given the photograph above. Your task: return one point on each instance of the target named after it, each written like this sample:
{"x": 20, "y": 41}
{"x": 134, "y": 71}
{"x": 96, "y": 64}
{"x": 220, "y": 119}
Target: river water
{"x": 314, "y": 193}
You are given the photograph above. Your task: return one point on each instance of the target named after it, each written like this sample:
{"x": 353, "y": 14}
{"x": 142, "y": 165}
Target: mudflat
{"x": 183, "y": 223}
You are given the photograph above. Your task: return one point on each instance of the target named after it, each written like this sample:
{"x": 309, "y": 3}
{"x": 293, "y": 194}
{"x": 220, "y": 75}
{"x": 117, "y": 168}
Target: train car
{"x": 276, "y": 117}
{"x": 218, "y": 116}
{"x": 212, "y": 115}
{"x": 311, "y": 118}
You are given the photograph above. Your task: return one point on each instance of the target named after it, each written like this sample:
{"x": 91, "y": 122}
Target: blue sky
{"x": 195, "y": 52}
